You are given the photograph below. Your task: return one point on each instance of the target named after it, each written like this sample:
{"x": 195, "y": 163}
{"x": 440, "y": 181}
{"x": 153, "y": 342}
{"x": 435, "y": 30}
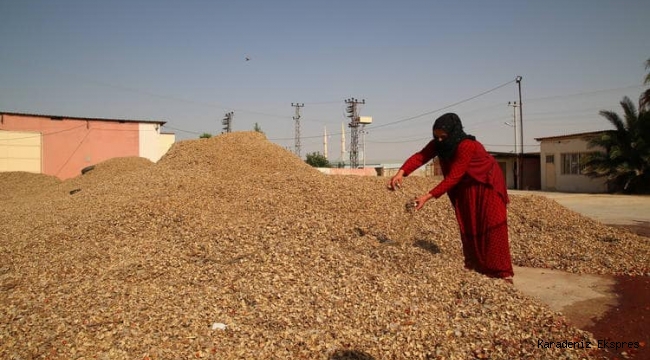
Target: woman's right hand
{"x": 396, "y": 181}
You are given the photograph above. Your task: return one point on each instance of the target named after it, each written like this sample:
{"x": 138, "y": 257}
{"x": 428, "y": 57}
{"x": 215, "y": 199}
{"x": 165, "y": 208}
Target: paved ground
{"x": 612, "y": 308}
{"x": 606, "y": 208}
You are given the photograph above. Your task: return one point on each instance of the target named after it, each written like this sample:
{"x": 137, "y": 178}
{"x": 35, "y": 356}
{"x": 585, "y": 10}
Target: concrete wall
{"x": 552, "y": 173}
{"x": 344, "y": 171}
{"x": 509, "y": 164}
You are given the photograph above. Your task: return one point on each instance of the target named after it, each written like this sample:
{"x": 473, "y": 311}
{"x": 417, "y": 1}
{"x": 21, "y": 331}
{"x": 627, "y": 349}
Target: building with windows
{"x": 62, "y": 146}
{"x": 562, "y": 161}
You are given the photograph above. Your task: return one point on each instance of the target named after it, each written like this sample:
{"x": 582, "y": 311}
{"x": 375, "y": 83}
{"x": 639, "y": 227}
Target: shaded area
{"x": 629, "y": 321}
{"x": 350, "y": 355}
{"x": 427, "y": 245}
{"x": 641, "y": 228}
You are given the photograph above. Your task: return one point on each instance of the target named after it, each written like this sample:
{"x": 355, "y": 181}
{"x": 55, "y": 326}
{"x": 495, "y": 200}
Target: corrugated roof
{"x": 576, "y": 135}
{"x": 83, "y": 118}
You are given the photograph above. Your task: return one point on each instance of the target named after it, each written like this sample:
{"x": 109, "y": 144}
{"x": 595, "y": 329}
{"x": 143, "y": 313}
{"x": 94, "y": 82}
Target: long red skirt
{"x": 483, "y": 220}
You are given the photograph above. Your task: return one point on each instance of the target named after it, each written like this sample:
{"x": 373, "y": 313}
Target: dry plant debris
{"x": 233, "y": 248}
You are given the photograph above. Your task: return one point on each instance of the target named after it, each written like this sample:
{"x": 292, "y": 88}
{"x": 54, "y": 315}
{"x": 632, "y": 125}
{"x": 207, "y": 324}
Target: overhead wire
{"x": 373, "y": 127}
{"x": 75, "y": 151}
{"x": 45, "y": 134}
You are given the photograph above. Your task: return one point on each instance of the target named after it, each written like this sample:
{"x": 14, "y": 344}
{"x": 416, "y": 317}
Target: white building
{"x": 562, "y": 163}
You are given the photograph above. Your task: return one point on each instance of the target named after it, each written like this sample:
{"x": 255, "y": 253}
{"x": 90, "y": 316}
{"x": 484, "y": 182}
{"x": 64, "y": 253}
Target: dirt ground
{"x": 614, "y": 309}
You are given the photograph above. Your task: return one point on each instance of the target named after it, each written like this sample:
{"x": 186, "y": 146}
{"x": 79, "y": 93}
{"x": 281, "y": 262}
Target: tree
{"x": 205, "y": 136}
{"x": 644, "y": 100}
{"x": 258, "y": 128}
{"x": 626, "y": 160}
{"x": 317, "y": 159}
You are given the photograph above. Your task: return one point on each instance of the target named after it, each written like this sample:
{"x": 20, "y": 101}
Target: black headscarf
{"x": 450, "y": 123}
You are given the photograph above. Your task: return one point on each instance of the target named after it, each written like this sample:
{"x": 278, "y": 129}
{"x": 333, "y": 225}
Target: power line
{"x": 420, "y": 115}
{"x": 181, "y": 130}
{"x": 46, "y": 134}
{"x": 584, "y": 93}
{"x": 75, "y": 150}
{"x": 444, "y": 107}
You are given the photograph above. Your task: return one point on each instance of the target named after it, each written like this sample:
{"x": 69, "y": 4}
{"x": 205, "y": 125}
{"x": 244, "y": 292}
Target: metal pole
{"x": 296, "y": 118}
{"x": 515, "y": 169}
{"x": 363, "y": 138}
{"x": 521, "y": 135}
{"x": 514, "y": 122}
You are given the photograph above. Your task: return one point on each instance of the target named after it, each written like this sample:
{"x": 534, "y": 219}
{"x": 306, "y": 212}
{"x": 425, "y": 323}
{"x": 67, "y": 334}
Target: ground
{"x": 613, "y": 308}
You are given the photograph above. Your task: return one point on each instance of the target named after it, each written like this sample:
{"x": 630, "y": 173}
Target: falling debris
{"x": 297, "y": 264}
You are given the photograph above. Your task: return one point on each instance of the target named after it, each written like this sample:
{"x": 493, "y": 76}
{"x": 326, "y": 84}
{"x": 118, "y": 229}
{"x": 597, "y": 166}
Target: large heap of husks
{"x": 233, "y": 248}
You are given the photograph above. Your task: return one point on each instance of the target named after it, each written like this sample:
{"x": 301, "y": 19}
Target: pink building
{"x": 62, "y": 146}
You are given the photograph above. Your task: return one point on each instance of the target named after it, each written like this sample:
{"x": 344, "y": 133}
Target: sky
{"x": 184, "y": 62}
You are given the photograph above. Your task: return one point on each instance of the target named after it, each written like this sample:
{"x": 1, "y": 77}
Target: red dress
{"x": 475, "y": 185}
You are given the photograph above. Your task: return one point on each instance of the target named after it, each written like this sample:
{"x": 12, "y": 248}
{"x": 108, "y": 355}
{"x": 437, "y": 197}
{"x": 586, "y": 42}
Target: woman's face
{"x": 439, "y": 135}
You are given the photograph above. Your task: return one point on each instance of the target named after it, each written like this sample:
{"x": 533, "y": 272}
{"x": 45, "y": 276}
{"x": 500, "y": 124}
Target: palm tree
{"x": 644, "y": 100}
{"x": 626, "y": 160}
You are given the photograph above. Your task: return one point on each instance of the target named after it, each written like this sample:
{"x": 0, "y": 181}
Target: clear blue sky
{"x": 183, "y": 62}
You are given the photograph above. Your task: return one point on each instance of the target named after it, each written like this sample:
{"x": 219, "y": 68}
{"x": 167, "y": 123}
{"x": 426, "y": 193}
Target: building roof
{"x": 513, "y": 155}
{"x": 572, "y": 136}
{"x": 83, "y": 118}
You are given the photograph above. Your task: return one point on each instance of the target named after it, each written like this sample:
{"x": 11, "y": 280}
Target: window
{"x": 550, "y": 159}
{"x": 572, "y": 164}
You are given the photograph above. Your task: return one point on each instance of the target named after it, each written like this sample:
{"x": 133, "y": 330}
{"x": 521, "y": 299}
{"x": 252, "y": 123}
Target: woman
{"x": 475, "y": 185}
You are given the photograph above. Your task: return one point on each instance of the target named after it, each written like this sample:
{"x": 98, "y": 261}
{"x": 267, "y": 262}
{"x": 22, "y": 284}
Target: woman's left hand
{"x": 422, "y": 200}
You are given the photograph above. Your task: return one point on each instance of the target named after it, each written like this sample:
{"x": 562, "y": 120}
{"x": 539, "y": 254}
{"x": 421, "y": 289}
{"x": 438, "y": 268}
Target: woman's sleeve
{"x": 459, "y": 166}
{"x": 419, "y": 158}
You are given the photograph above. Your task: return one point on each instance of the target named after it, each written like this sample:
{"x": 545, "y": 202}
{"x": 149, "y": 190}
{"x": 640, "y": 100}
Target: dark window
{"x": 550, "y": 159}
{"x": 573, "y": 163}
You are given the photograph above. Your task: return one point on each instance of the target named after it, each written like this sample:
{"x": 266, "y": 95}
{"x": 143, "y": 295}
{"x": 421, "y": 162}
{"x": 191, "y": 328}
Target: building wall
{"x": 20, "y": 151}
{"x": 153, "y": 144}
{"x": 69, "y": 145}
{"x": 509, "y": 164}
{"x": 165, "y": 142}
{"x": 569, "y": 182}
{"x": 344, "y": 171}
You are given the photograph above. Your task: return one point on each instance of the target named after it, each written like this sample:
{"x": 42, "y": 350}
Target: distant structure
{"x": 353, "y": 113}
{"x": 342, "y": 141}
{"x": 325, "y": 141}
{"x": 227, "y": 122}
{"x": 296, "y": 118}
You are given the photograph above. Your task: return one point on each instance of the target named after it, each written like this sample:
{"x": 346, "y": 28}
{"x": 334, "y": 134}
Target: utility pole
{"x": 521, "y": 135}
{"x": 363, "y": 140}
{"x": 325, "y": 141}
{"x": 296, "y": 118}
{"x": 227, "y": 122}
{"x": 353, "y": 114}
{"x": 514, "y": 125}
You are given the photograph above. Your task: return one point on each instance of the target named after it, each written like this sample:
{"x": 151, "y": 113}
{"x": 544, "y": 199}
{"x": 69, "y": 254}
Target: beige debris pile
{"x": 233, "y": 248}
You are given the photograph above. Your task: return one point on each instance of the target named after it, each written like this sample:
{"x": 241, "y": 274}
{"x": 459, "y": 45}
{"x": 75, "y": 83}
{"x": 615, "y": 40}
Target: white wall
{"x": 153, "y": 145}
{"x": 568, "y": 183}
{"x": 20, "y": 151}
